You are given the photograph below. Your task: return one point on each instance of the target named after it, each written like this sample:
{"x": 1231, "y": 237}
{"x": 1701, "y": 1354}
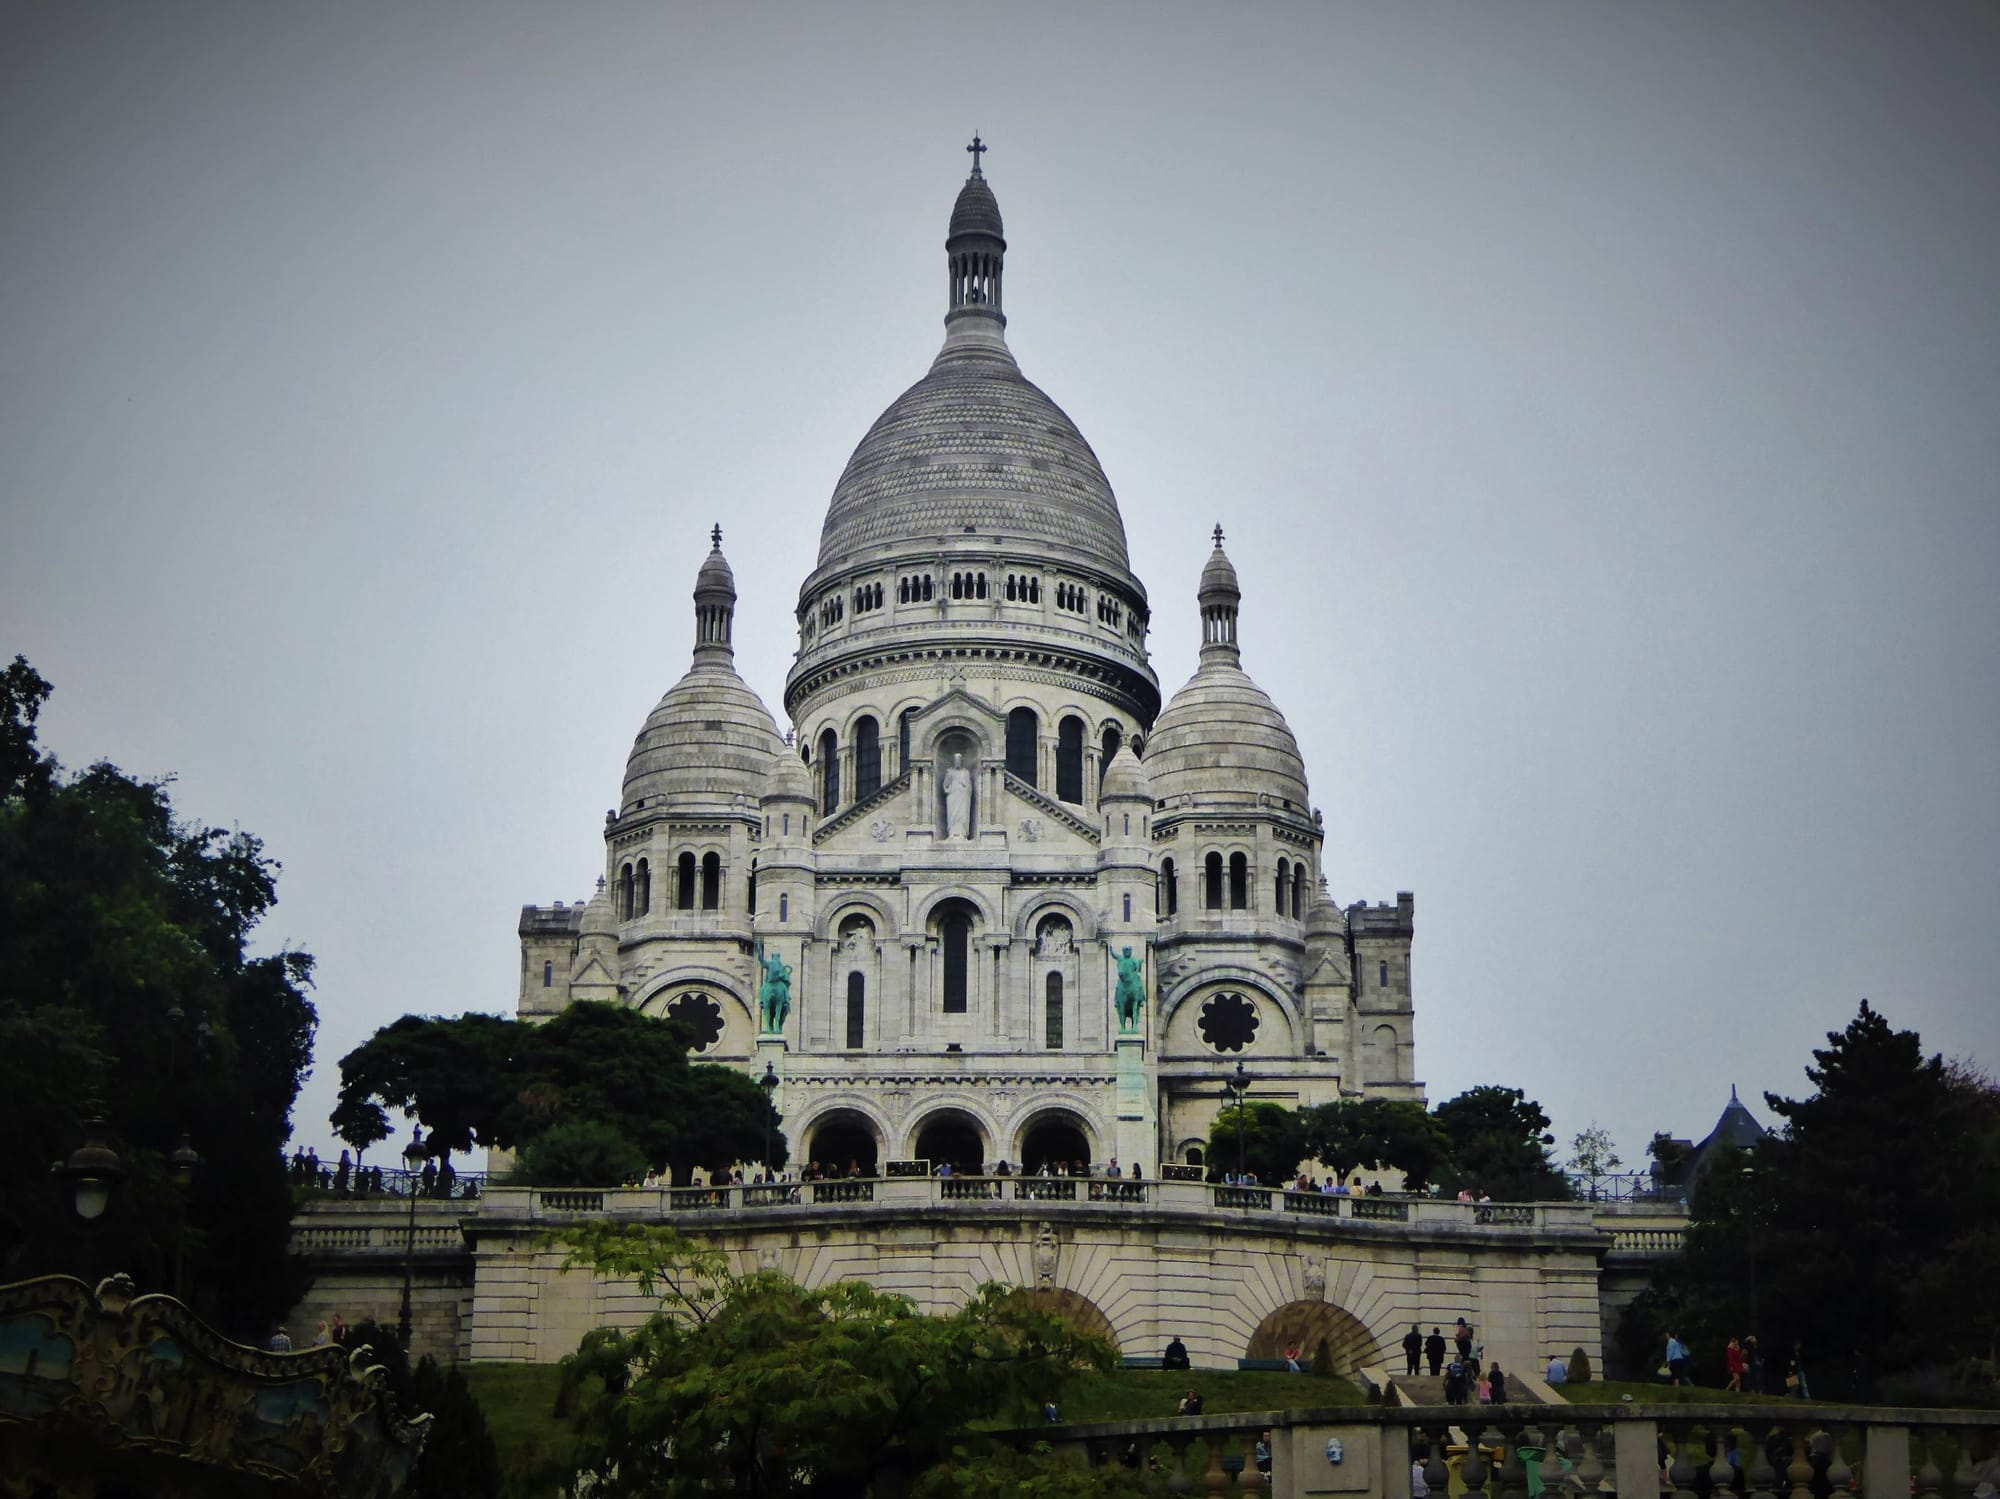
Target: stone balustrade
{"x": 548, "y": 1204}
{"x": 1775, "y": 1450}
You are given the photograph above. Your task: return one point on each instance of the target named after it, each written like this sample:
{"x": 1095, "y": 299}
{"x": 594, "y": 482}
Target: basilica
{"x": 987, "y": 899}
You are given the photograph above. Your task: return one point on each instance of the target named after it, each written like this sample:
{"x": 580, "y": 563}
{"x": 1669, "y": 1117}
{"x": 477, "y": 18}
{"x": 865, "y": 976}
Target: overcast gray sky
{"x": 1600, "y": 401}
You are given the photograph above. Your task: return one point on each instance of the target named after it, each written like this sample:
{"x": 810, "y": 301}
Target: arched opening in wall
{"x": 1170, "y": 891}
{"x": 903, "y": 739}
{"x": 711, "y": 882}
{"x": 867, "y": 757}
{"x": 1194, "y": 1155}
{"x": 1227, "y": 1023}
{"x": 1239, "y": 883}
{"x": 1107, "y": 747}
{"x": 1283, "y": 903}
{"x": 1380, "y": 1055}
{"x": 842, "y": 1139}
{"x": 1078, "y": 1311}
{"x": 625, "y": 893}
{"x": 684, "y": 883}
{"x": 1069, "y": 760}
{"x": 642, "y": 895}
{"x": 950, "y": 1135}
{"x": 1024, "y": 731}
{"x": 956, "y": 770}
{"x": 1308, "y": 1324}
{"x": 548, "y": 974}
{"x": 952, "y": 925}
{"x": 1211, "y": 882}
{"x": 750, "y": 889}
{"x": 1052, "y": 1018}
{"x": 829, "y": 773}
{"x": 1298, "y": 892}
{"x": 857, "y": 1011}
{"x": 1054, "y": 1138}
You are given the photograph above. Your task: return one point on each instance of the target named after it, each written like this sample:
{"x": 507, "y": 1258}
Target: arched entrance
{"x": 955, "y": 1136}
{"x": 1349, "y": 1343}
{"x": 840, "y": 1139}
{"x": 1080, "y": 1312}
{"x": 1054, "y": 1137}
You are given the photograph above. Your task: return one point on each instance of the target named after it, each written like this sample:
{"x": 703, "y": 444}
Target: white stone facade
{"x": 954, "y": 938}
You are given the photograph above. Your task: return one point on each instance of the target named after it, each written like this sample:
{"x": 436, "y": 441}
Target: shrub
{"x": 1580, "y": 1371}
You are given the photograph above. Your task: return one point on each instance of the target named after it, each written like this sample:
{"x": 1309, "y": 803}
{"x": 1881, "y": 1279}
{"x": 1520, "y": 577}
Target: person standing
{"x": 1498, "y": 1381}
{"x": 1679, "y": 1364}
{"x": 1413, "y": 1350}
{"x": 1795, "y": 1374}
{"x": 1732, "y": 1356}
{"x": 1434, "y": 1351}
{"x": 1462, "y": 1335}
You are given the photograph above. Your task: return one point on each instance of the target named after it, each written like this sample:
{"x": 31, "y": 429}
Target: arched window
{"x": 1023, "y": 730}
{"x": 857, "y": 1011}
{"x": 784, "y": 906}
{"x": 1052, "y": 1020}
{"x": 829, "y": 773}
{"x": 867, "y": 757}
{"x": 1170, "y": 895}
{"x": 1239, "y": 883}
{"x": 711, "y": 882}
{"x": 1211, "y": 882}
{"x": 1128, "y": 905}
{"x": 642, "y": 894}
{"x": 684, "y": 883}
{"x": 1107, "y": 747}
{"x": 548, "y": 974}
{"x": 1298, "y": 892}
{"x": 1069, "y": 760}
{"x": 1382, "y": 978}
{"x": 955, "y": 950}
{"x": 625, "y": 893}
{"x": 750, "y": 890}
{"x": 1284, "y": 901}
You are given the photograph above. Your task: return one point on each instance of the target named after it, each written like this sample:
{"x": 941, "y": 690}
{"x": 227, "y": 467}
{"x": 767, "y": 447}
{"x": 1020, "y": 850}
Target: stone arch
{"x": 739, "y": 1019}
{"x": 855, "y": 903}
{"x": 929, "y": 731}
{"x": 1079, "y": 1311}
{"x": 920, "y": 918}
{"x": 841, "y": 1134}
{"x": 938, "y": 1119}
{"x": 1082, "y": 920}
{"x": 1224, "y": 976}
{"x": 1036, "y": 1134}
{"x": 1309, "y": 1323}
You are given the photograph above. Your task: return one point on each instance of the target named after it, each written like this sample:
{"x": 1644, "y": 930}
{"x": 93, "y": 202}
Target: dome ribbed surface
{"x": 974, "y": 443}
{"x": 598, "y": 918}
{"x": 1221, "y": 736}
{"x": 789, "y": 777}
{"x": 709, "y": 740}
{"x": 1218, "y": 579}
{"x": 977, "y": 211}
{"x": 715, "y": 578}
{"x": 1125, "y": 776}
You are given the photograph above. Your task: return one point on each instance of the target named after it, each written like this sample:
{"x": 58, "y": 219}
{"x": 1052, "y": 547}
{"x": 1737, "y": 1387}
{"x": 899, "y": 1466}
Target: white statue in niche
{"x": 958, "y": 799}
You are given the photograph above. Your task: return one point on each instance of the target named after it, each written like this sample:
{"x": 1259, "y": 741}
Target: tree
{"x": 126, "y": 982}
{"x": 1500, "y": 1146}
{"x": 1350, "y": 1133}
{"x": 1273, "y": 1141}
{"x": 459, "y": 1460}
{"x": 766, "y": 1388}
{"x": 1592, "y": 1154}
{"x": 488, "y": 1081}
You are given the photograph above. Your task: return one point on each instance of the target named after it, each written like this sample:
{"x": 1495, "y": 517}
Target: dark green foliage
{"x": 483, "y": 1080}
{"x": 1499, "y": 1147}
{"x": 1869, "y": 1224}
{"x": 1273, "y": 1141}
{"x": 760, "y": 1386}
{"x": 1580, "y": 1371}
{"x": 113, "y": 915}
{"x": 1351, "y": 1133}
{"x": 579, "y": 1151}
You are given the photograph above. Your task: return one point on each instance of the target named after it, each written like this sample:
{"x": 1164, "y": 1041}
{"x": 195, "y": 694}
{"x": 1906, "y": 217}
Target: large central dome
{"x": 975, "y": 446}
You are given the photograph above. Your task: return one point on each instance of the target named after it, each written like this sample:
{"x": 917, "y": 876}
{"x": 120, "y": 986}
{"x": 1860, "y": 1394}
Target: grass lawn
{"x": 1659, "y": 1392}
{"x": 1140, "y": 1394}
{"x": 518, "y": 1401}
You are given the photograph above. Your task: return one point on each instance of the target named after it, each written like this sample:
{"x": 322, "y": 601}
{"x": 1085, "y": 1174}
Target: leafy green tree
{"x": 1499, "y": 1146}
{"x": 126, "y": 983}
{"x": 459, "y": 1460}
{"x": 581, "y": 1150}
{"x": 775, "y": 1389}
{"x": 1273, "y": 1140}
{"x": 484, "y": 1080}
{"x": 1351, "y": 1133}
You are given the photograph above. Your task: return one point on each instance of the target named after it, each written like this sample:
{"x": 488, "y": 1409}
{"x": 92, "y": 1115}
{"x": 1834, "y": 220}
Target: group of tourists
{"x": 1743, "y": 1361}
{"x": 1467, "y": 1377}
{"x": 1333, "y": 1186}
{"x": 347, "y": 1179}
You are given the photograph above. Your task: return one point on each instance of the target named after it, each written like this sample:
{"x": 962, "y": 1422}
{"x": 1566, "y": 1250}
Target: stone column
{"x": 1138, "y": 1129}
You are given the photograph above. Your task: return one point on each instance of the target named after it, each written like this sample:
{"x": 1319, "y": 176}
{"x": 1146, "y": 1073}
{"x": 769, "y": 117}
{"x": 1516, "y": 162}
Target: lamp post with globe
{"x": 1236, "y": 1088}
{"x": 769, "y": 1083}
{"x": 413, "y": 1160}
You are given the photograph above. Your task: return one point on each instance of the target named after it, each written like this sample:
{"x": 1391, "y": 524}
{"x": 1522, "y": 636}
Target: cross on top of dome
{"x": 715, "y": 536}
{"x": 1218, "y": 533}
{"x": 978, "y": 149}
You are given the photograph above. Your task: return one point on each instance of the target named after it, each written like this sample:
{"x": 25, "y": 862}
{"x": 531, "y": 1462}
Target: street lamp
{"x": 769, "y": 1083}
{"x": 92, "y": 1169}
{"x": 184, "y": 1162}
{"x": 413, "y": 1161}
{"x": 1237, "y": 1089}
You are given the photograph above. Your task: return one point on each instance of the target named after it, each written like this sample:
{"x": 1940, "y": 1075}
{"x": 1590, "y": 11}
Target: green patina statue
{"x": 1131, "y": 997}
{"x": 774, "y": 998}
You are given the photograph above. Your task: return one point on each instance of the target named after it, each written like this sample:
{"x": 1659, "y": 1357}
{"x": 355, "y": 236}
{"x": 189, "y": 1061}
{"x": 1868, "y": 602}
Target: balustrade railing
{"x": 1767, "y": 1450}
{"x": 1379, "y": 1209}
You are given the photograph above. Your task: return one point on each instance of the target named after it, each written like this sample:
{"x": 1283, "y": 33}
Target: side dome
{"x": 1222, "y": 739}
{"x": 710, "y": 743}
{"x": 977, "y": 211}
{"x": 790, "y": 780}
{"x": 1125, "y": 779}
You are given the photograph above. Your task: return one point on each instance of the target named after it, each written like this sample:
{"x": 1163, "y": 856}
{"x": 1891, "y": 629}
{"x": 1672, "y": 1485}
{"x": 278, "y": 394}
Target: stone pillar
{"x": 1138, "y": 1128}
